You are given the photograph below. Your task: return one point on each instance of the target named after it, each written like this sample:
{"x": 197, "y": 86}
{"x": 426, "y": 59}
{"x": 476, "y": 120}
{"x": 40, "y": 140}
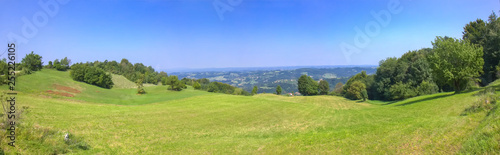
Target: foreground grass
{"x": 117, "y": 121}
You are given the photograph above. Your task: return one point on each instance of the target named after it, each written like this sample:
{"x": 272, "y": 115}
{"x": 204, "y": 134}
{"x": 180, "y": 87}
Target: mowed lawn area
{"x": 118, "y": 121}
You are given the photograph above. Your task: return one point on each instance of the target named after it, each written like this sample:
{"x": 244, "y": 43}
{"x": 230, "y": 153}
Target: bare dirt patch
{"x": 60, "y": 93}
{"x": 67, "y": 89}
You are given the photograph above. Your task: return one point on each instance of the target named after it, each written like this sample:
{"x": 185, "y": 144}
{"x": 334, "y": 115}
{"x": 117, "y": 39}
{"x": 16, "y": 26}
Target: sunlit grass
{"x": 117, "y": 121}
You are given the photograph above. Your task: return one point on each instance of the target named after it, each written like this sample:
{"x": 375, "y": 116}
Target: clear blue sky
{"x": 169, "y": 34}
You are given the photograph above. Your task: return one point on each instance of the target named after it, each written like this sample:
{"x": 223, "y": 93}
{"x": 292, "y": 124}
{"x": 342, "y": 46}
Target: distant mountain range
{"x": 227, "y": 69}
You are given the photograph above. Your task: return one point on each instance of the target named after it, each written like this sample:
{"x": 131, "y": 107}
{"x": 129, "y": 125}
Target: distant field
{"x": 117, "y": 121}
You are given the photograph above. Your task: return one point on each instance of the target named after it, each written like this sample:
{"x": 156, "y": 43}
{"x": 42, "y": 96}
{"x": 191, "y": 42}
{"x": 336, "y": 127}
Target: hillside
{"x": 117, "y": 121}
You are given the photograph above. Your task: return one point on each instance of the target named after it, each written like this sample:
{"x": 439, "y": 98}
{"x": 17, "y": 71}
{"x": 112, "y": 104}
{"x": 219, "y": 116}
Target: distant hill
{"x": 228, "y": 69}
{"x": 119, "y": 121}
{"x": 267, "y": 80}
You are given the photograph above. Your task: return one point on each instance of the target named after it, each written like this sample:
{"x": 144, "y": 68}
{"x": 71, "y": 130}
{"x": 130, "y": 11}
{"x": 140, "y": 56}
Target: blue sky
{"x": 170, "y": 34}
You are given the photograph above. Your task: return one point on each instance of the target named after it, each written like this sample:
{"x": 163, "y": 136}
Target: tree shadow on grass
{"x": 427, "y": 99}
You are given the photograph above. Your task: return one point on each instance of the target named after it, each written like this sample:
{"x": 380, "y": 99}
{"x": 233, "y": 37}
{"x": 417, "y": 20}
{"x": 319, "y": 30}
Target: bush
{"x": 196, "y": 85}
{"x": 486, "y": 100}
{"x": 426, "y": 88}
{"x": 401, "y": 91}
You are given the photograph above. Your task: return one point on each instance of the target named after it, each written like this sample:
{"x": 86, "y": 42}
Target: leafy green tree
{"x": 487, "y": 35}
{"x": 50, "y": 65}
{"x": 339, "y": 88}
{"x": 356, "y": 90}
{"x": 32, "y": 62}
{"x": 164, "y": 80}
{"x": 324, "y": 87}
{"x": 140, "y": 86}
{"x": 307, "y": 86}
{"x": 278, "y": 90}
{"x": 196, "y": 85}
{"x": 364, "y": 94}
{"x": 175, "y": 83}
{"x": 65, "y": 62}
{"x": 254, "y": 90}
{"x": 4, "y": 71}
{"x": 456, "y": 61}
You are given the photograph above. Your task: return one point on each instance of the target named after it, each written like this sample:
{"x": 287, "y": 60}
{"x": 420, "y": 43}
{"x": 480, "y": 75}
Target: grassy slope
{"x": 120, "y": 81}
{"x": 118, "y": 121}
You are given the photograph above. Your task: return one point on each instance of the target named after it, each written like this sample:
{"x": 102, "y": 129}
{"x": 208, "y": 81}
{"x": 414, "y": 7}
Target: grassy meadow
{"x": 118, "y": 121}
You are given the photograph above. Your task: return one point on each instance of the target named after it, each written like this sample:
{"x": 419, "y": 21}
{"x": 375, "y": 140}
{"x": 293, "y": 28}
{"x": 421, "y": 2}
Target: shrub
{"x": 401, "y": 91}
{"x": 196, "y": 85}
{"x": 426, "y": 88}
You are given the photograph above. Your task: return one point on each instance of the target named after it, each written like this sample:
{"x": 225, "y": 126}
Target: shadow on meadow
{"x": 426, "y": 99}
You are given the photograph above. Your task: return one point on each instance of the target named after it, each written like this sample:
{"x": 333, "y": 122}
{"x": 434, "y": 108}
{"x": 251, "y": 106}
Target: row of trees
{"x": 486, "y": 34}
{"x": 132, "y": 72}
{"x": 216, "y": 87}
{"x": 307, "y": 86}
{"x": 91, "y": 75}
{"x": 451, "y": 65}
{"x": 62, "y": 65}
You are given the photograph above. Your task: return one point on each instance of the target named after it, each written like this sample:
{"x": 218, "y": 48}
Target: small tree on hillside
{"x": 140, "y": 86}
{"x": 50, "y": 65}
{"x": 175, "y": 83}
{"x": 32, "y": 62}
{"x": 278, "y": 90}
{"x": 254, "y": 90}
{"x": 324, "y": 87}
{"x": 196, "y": 85}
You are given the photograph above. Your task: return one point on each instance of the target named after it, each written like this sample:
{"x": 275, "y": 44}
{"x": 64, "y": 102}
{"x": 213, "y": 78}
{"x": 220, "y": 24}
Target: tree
{"x": 196, "y": 85}
{"x": 356, "y": 91}
{"x": 32, "y": 62}
{"x": 456, "y": 61}
{"x": 140, "y": 86}
{"x": 65, "y": 62}
{"x": 50, "y": 65}
{"x": 339, "y": 87}
{"x": 175, "y": 83}
{"x": 487, "y": 35}
{"x": 307, "y": 86}
{"x": 324, "y": 87}
{"x": 278, "y": 90}
{"x": 164, "y": 80}
{"x": 254, "y": 90}
{"x": 4, "y": 71}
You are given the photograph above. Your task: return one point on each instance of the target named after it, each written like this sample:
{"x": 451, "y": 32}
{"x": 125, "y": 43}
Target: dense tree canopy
{"x": 32, "y": 62}
{"x": 307, "y": 86}
{"x": 324, "y": 87}
{"x": 91, "y": 75}
{"x": 486, "y": 35}
{"x": 456, "y": 62}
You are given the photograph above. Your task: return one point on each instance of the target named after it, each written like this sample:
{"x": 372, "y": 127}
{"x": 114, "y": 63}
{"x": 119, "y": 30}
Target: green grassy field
{"x": 117, "y": 121}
